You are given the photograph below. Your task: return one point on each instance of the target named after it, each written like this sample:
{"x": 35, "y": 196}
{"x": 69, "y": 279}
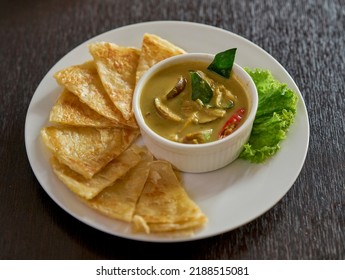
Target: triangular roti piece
{"x": 119, "y": 200}
{"x": 83, "y": 80}
{"x": 116, "y": 67}
{"x": 69, "y": 110}
{"x": 164, "y": 205}
{"x": 89, "y": 188}
{"x": 153, "y": 50}
{"x": 87, "y": 150}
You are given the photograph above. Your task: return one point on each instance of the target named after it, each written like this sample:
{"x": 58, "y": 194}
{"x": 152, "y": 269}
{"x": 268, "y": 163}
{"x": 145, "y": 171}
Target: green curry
{"x": 193, "y": 106}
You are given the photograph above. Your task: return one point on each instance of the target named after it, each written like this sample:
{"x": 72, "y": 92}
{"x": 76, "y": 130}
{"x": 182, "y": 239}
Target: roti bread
{"x": 153, "y": 50}
{"x": 84, "y": 82}
{"x": 92, "y": 142}
{"x": 119, "y": 200}
{"x": 116, "y": 67}
{"x": 89, "y": 188}
{"x": 87, "y": 150}
{"x": 164, "y": 205}
{"x": 69, "y": 110}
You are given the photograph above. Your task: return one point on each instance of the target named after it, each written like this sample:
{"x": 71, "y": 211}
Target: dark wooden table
{"x": 306, "y": 37}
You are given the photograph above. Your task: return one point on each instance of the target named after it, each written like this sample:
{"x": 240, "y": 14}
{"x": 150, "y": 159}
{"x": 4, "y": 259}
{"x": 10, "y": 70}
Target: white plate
{"x": 230, "y": 197}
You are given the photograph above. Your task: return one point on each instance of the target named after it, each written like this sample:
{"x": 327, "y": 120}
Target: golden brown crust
{"x": 116, "y": 67}
{"x": 84, "y": 82}
{"x": 153, "y": 50}
{"x": 87, "y": 150}
{"x": 164, "y": 205}
{"x": 89, "y": 188}
{"x": 119, "y": 200}
{"x": 69, "y": 110}
{"x": 92, "y": 146}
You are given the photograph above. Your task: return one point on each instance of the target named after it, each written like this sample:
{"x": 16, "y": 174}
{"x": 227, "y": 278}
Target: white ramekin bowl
{"x": 197, "y": 158}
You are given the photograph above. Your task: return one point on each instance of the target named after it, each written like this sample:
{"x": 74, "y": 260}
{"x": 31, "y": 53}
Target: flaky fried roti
{"x": 164, "y": 205}
{"x": 87, "y": 150}
{"x": 83, "y": 80}
{"x": 116, "y": 67}
{"x": 69, "y": 110}
{"x": 89, "y": 188}
{"x": 119, "y": 200}
{"x": 153, "y": 50}
{"x": 92, "y": 142}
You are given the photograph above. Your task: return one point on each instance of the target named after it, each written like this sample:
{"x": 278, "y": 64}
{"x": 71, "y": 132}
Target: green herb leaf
{"x": 223, "y": 62}
{"x": 200, "y": 88}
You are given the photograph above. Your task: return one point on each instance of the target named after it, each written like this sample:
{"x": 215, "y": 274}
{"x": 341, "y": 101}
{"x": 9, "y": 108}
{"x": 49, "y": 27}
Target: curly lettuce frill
{"x": 276, "y": 112}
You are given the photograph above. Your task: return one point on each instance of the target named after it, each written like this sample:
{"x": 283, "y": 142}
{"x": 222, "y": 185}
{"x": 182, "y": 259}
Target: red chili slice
{"x": 232, "y": 123}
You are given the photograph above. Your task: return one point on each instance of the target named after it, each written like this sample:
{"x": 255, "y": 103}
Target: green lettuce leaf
{"x": 276, "y": 112}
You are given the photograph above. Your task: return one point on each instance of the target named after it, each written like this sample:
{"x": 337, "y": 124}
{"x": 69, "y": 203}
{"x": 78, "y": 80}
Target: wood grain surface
{"x": 306, "y": 37}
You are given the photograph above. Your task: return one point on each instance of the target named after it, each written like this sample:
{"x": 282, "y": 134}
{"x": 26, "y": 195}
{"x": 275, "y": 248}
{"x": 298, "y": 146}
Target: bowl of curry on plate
{"x": 196, "y": 110}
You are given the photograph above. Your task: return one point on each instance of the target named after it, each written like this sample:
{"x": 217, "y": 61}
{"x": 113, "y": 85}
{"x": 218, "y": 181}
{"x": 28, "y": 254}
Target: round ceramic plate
{"x": 231, "y": 196}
